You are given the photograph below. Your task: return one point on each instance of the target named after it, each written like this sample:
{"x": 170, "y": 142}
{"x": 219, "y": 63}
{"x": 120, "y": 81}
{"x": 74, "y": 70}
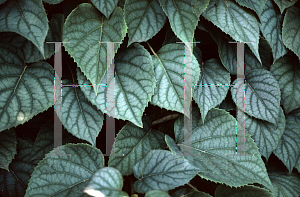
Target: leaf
{"x": 162, "y": 170}
{"x": 155, "y": 193}
{"x": 66, "y": 172}
{"x": 184, "y": 192}
{"x": 79, "y": 116}
{"x": 288, "y": 149}
{"x": 29, "y": 50}
{"x": 134, "y": 85}
{"x": 8, "y": 147}
{"x": 107, "y": 181}
{"x": 53, "y": 1}
{"x": 27, "y": 18}
{"x": 298, "y": 165}
{"x": 212, "y": 86}
{"x": 285, "y": 185}
{"x": 270, "y": 27}
{"x": 255, "y": 5}
{"x": 212, "y": 146}
{"x": 183, "y": 16}
{"x": 287, "y": 73}
{"x": 236, "y": 21}
{"x": 24, "y": 91}
{"x": 132, "y": 144}
{"x": 266, "y": 135}
{"x": 283, "y": 4}
{"x": 169, "y": 73}
{"x": 14, "y": 182}
{"x": 2, "y": 1}
{"x": 44, "y": 141}
{"x": 245, "y": 191}
{"x": 294, "y": 115}
{"x": 85, "y": 28}
{"x": 172, "y": 145}
{"x": 105, "y": 6}
{"x": 144, "y": 19}
{"x": 290, "y": 33}
{"x": 262, "y": 95}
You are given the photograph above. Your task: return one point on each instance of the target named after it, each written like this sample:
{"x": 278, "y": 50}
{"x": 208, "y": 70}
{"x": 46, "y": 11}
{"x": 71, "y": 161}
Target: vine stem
{"x": 165, "y": 119}
{"x": 193, "y": 187}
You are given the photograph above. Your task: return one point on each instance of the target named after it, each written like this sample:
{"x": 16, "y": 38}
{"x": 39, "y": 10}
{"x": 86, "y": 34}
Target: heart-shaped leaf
{"x": 134, "y": 84}
{"x": 238, "y": 22}
{"x": 25, "y": 91}
{"x": 27, "y": 18}
{"x": 144, "y": 19}
{"x": 65, "y": 172}
{"x": 105, "y": 6}
{"x": 133, "y": 143}
{"x": 85, "y": 29}
{"x": 262, "y": 95}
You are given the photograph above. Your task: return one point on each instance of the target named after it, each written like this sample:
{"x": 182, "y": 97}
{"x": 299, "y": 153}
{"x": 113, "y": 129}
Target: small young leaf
{"x": 108, "y": 182}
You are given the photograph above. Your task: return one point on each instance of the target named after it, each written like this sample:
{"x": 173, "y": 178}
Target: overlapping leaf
{"x": 44, "y": 141}
{"x": 240, "y": 23}
{"x": 256, "y": 5}
{"x": 133, "y": 143}
{"x": 185, "y": 192}
{"x": 79, "y": 116}
{"x": 262, "y": 95}
{"x": 105, "y": 6}
{"x": 24, "y": 91}
{"x": 66, "y": 172}
{"x": 162, "y": 170}
{"x": 134, "y": 84}
{"x": 169, "y": 73}
{"x": 84, "y": 29}
{"x": 288, "y": 149}
{"x": 30, "y": 51}
{"x": 245, "y": 191}
{"x": 155, "y": 193}
{"x": 53, "y": 1}
{"x": 183, "y": 16}
{"x": 284, "y": 184}
{"x": 212, "y": 86}
{"x": 266, "y": 135}
{"x": 287, "y": 74}
{"x": 283, "y": 4}
{"x": 271, "y": 21}
{"x": 8, "y": 147}
{"x": 144, "y": 19}
{"x": 108, "y": 182}
{"x": 27, "y": 18}
{"x": 14, "y": 182}
{"x": 213, "y": 150}
{"x": 290, "y": 30}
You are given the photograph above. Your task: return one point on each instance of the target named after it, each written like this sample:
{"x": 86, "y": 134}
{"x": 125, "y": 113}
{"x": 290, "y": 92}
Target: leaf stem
{"x": 193, "y": 187}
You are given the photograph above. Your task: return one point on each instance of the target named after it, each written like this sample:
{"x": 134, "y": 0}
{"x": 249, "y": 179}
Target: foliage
{"x": 150, "y": 156}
